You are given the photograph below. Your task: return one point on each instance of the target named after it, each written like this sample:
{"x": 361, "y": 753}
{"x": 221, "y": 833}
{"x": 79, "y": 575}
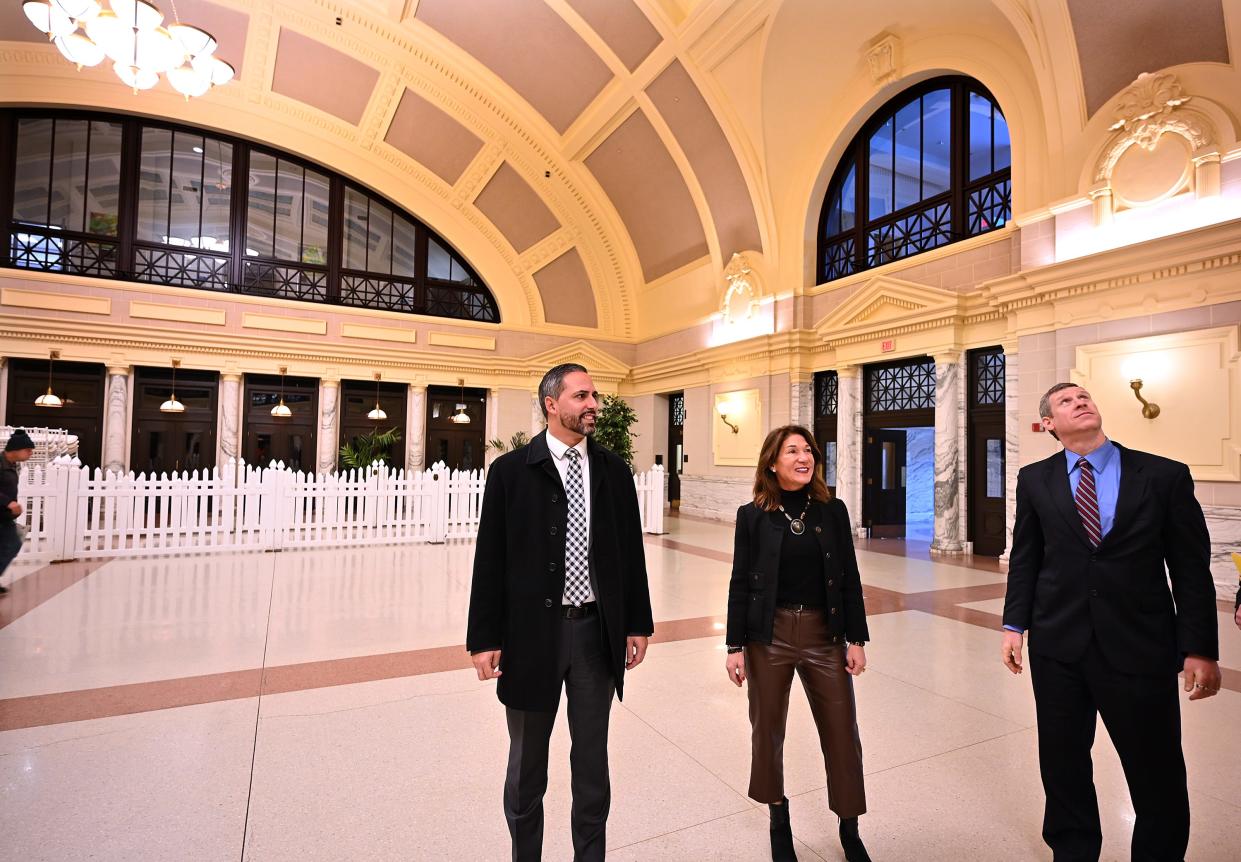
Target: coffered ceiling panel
{"x": 322, "y": 77}
{"x": 229, "y": 26}
{"x": 647, "y": 189}
{"x": 1115, "y": 48}
{"x": 529, "y": 46}
{"x": 514, "y": 208}
{"x": 566, "y": 292}
{"x": 428, "y": 135}
{"x": 622, "y": 25}
{"x": 699, "y": 135}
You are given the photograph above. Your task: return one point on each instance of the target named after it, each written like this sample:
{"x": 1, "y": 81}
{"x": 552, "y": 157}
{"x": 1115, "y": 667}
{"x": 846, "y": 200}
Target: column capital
{"x": 329, "y": 381}
{"x": 848, "y": 372}
{"x": 417, "y": 388}
{"x": 948, "y": 357}
{"x": 118, "y": 370}
{"x": 230, "y": 376}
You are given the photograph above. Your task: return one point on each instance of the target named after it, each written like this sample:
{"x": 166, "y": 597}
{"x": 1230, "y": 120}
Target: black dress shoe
{"x": 855, "y": 851}
{"x": 781, "y": 834}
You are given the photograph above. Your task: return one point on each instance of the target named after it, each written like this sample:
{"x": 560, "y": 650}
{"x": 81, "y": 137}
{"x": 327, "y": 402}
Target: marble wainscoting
{"x": 715, "y": 497}
{"x": 1224, "y": 524}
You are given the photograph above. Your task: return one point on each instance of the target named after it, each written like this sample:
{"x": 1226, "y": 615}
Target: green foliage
{"x": 363, "y": 451}
{"x": 519, "y": 439}
{"x": 612, "y": 422}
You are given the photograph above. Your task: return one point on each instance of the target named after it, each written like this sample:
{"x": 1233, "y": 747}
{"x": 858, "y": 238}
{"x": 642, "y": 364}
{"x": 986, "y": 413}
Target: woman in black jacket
{"x": 795, "y": 604}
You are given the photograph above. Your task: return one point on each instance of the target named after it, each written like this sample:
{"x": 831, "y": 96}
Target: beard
{"x": 583, "y": 423}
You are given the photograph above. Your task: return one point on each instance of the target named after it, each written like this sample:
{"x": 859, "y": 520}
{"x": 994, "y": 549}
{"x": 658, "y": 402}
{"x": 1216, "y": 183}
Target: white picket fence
{"x": 72, "y": 512}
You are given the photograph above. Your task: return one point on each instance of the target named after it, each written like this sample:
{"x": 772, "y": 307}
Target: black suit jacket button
{"x": 551, "y": 567}
{"x": 834, "y": 610}
{"x": 547, "y": 603}
{"x": 818, "y": 529}
{"x": 555, "y": 498}
{"x": 1094, "y": 593}
{"x": 830, "y": 582}
{"x": 552, "y": 531}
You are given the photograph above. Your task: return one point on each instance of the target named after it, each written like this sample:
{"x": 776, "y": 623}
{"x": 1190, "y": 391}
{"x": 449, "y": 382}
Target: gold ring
{"x": 1198, "y": 685}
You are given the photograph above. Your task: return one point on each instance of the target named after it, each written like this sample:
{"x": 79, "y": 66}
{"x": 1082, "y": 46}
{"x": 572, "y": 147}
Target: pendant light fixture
{"x": 50, "y": 398}
{"x": 172, "y": 405}
{"x": 281, "y": 410}
{"x": 461, "y": 417}
{"x": 378, "y": 414}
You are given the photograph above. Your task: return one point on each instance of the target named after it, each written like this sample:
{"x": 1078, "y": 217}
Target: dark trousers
{"x": 10, "y": 542}
{"x": 801, "y": 643}
{"x": 1143, "y": 717}
{"x": 589, "y": 685}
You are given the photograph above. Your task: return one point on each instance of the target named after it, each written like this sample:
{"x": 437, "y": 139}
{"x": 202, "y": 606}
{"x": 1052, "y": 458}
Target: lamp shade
{"x": 378, "y": 414}
{"x": 281, "y": 410}
{"x": 172, "y": 405}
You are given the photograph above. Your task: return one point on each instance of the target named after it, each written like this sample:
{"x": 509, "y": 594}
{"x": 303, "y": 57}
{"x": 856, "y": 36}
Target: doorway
{"x": 826, "y": 399}
{"x": 898, "y": 452}
{"x": 456, "y": 443}
{"x": 357, "y": 400}
{"x": 986, "y": 478}
{"x": 80, "y": 386}
{"x": 676, "y": 447}
{"x": 173, "y": 442}
{"x": 268, "y": 439}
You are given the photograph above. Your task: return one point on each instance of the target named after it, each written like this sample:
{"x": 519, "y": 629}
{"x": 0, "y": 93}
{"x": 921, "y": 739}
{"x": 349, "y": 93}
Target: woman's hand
{"x": 735, "y": 664}
{"x": 855, "y": 660}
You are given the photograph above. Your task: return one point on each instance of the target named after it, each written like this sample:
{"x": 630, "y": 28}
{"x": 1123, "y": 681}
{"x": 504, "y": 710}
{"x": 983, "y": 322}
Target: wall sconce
{"x": 1149, "y": 409}
{"x": 50, "y": 398}
{"x": 378, "y": 414}
{"x": 722, "y": 408}
{"x": 281, "y": 410}
{"x": 172, "y": 405}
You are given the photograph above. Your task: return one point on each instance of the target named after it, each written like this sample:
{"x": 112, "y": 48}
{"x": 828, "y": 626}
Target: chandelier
{"x": 132, "y": 36}
{"x": 460, "y": 417}
{"x": 172, "y": 405}
{"x": 378, "y": 414}
{"x": 281, "y": 410}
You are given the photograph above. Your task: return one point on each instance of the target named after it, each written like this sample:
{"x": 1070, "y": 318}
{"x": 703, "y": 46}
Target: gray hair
{"x": 552, "y": 383}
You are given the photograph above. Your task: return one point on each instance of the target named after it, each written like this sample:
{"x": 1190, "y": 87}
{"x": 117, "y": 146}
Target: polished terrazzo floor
{"x": 318, "y": 705}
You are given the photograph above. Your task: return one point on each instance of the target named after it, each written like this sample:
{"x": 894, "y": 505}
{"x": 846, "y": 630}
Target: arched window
{"x": 122, "y": 197}
{"x": 930, "y": 168}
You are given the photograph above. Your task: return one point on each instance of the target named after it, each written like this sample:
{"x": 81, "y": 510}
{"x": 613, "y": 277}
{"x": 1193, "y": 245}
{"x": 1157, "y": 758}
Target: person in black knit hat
{"x": 17, "y": 450}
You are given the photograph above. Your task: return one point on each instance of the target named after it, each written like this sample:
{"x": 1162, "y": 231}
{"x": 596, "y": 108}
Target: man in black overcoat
{"x": 1101, "y": 532}
{"x": 559, "y": 597}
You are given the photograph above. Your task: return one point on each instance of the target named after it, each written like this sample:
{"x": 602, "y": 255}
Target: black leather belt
{"x": 576, "y": 613}
{"x": 799, "y": 608}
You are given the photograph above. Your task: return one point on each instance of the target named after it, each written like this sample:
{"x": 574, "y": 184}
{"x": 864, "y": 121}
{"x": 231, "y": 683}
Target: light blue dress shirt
{"x": 1105, "y": 461}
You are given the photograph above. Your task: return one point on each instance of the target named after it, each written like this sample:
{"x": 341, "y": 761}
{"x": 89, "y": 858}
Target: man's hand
{"x": 635, "y": 651}
{"x": 1202, "y": 677}
{"x": 734, "y": 663}
{"x": 487, "y": 664}
{"x": 16, "y": 508}
{"x": 1010, "y": 650}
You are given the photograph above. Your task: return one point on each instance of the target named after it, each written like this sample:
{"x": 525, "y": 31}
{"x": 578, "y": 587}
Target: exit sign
{"x": 887, "y": 346}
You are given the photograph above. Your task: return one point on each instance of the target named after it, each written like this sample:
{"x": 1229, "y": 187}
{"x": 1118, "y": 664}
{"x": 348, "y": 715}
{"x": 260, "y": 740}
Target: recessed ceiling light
{"x": 198, "y": 149}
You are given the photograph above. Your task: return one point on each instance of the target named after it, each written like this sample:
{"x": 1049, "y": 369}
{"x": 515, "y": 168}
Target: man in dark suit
{"x": 559, "y": 596}
{"x": 1096, "y": 525}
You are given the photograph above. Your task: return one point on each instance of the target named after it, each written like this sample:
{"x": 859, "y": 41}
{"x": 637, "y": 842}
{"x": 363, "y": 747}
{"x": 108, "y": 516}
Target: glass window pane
{"x": 404, "y": 246}
{"x": 439, "y": 261}
{"x": 829, "y": 463}
{"x": 288, "y": 211}
{"x": 831, "y": 225}
{"x": 995, "y": 468}
{"x": 355, "y": 230}
{"x": 217, "y": 200}
{"x": 848, "y": 200}
{"x": 1003, "y": 156}
{"x": 69, "y": 175}
{"x": 153, "y": 185}
{"x": 34, "y": 159}
{"x": 909, "y": 154}
{"x": 980, "y": 136}
{"x": 104, "y": 179}
{"x": 187, "y": 194}
{"x": 379, "y": 239}
{"x": 881, "y": 171}
{"x": 936, "y": 143}
{"x": 260, "y": 205}
{"x": 315, "y": 218}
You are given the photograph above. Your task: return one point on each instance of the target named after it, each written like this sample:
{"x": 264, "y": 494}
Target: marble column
{"x": 849, "y": 441}
{"x": 491, "y": 426}
{"x": 228, "y": 445}
{"x": 4, "y": 389}
{"x": 801, "y": 403}
{"x": 329, "y": 425}
{"x": 537, "y": 422}
{"x": 116, "y": 419}
{"x": 415, "y": 427}
{"x": 1012, "y": 442}
{"x": 947, "y": 537}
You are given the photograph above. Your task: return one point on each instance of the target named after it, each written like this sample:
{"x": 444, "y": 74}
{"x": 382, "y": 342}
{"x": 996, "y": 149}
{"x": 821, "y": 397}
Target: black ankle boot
{"x": 855, "y": 851}
{"x": 781, "y": 834}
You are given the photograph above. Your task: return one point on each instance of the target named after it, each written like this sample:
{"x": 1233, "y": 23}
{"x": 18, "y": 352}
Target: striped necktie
{"x": 1088, "y": 503}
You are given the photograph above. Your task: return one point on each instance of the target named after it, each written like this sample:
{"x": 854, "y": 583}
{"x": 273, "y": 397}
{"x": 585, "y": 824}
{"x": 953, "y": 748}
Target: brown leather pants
{"x": 800, "y": 642}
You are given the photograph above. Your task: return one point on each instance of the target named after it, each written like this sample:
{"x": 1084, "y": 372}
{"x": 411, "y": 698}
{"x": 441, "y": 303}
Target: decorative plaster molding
{"x": 883, "y": 58}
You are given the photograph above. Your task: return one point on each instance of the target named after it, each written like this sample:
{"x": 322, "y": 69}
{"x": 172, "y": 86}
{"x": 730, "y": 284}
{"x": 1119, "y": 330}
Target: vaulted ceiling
{"x": 582, "y": 152}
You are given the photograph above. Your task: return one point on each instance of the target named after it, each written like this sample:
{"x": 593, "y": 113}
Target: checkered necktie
{"x": 576, "y": 568}
{"x": 1088, "y": 503}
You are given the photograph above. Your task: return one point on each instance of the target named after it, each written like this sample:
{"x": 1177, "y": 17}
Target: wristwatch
{"x": 857, "y": 643}
{"x": 737, "y": 648}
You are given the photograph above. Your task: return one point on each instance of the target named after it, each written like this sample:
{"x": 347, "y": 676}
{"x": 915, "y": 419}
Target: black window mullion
{"x": 861, "y": 183}
{"x": 127, "y": 199}
{"x": 421, "y": 252}
{"x": 172, "y": 166}
{"x": 275, "y": 205}
{"x": 51, "y": 176}
{"x": 335, "y": 236}
{"x": 238, "y": 223}
{"x": 202, "y": 191}
{"x": 86, "y": 178}
{"x": 959, "y": 123}
{"x": 301, "y": 224}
